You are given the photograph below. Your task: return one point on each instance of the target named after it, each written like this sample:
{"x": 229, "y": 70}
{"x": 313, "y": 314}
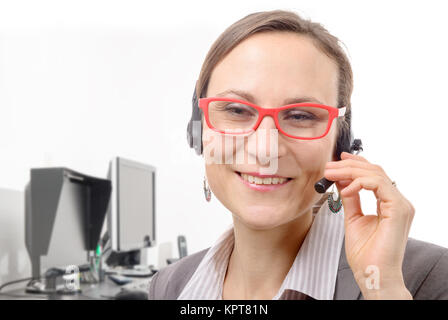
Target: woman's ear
{"x": 336, "y": 148}
{"x": 334, "y": 156}
{"x": 342, "y": 143}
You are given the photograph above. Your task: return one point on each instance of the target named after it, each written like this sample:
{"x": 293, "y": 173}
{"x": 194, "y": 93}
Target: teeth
{"x": 267, "y": 181}
{"x": 258, "y": 180}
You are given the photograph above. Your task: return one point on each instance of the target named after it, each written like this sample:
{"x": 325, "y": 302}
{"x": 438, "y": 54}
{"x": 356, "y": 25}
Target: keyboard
{"x": 137, "y": 272}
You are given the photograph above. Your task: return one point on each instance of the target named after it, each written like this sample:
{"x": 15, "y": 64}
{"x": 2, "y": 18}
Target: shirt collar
{"x": 315, "y": 268}
{"x": 313, "y": 272}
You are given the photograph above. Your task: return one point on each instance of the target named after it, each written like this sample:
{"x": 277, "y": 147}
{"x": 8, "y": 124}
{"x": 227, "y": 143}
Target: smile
{"x": 262, "y": 183}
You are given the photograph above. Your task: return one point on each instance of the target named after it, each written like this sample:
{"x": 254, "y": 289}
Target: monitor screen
{"x": 132, "y": 211}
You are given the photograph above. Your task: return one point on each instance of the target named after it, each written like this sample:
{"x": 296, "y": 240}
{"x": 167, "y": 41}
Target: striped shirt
{"x": 311, "y": 276}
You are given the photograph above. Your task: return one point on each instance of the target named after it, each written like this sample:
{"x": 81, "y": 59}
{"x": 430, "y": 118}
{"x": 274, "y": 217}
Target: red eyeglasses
{"x": 305, "y": 121}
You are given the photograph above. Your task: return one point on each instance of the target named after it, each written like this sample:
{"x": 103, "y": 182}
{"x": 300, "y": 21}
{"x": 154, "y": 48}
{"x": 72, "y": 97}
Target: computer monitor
{"x": 132, "y": 210}
{"x": 64, "y": 215}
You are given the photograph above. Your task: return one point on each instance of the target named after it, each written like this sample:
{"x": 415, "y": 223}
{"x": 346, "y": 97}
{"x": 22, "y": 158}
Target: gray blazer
{"x": 425, "y": 272}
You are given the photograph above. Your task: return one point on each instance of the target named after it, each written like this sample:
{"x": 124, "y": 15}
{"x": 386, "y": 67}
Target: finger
{"x": 346, "y": 155}
{"x": 358, "y": 164}
{"x": 352, "y": 163}
{"x": 382, "y": 188}
{"x": 347, "y": 173}
{"x": 352, "y": 206}
{"x": 341, "y": 184}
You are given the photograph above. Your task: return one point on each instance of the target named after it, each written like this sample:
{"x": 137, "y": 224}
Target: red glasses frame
{"x": 272, "y": 112}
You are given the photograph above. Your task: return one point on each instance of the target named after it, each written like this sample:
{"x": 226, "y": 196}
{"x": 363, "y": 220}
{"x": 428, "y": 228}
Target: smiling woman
{"x": 282, "y": 86}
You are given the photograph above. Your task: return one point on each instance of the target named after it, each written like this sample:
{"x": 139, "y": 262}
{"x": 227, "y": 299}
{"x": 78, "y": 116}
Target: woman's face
{"x": 272, "y": 68}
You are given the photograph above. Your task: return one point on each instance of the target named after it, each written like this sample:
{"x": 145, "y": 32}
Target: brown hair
{"x": 280, "y": 20}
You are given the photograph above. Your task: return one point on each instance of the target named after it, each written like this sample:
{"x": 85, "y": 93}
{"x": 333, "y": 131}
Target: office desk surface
{"x": 101, "y": 291}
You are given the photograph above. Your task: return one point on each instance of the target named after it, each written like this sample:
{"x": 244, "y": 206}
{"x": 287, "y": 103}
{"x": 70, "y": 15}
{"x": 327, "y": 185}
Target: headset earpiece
{"x": 194, "y": 127}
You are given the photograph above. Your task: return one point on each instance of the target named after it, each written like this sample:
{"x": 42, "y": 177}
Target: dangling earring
{"x": 207, "y": 192}
{"x": 335, "y": 206}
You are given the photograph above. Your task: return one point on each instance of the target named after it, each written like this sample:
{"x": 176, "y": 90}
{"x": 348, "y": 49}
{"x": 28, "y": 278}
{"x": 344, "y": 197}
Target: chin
{"x": 262, "y": 217}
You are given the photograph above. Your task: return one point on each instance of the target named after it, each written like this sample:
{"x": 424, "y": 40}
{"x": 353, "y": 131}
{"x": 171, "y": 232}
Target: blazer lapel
{"x": 346, "y": 287}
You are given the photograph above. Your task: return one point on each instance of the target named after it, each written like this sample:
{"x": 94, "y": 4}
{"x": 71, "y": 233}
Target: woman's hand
{"x": 374, "y": 244}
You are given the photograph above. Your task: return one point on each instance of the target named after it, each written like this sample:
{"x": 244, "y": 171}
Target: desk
{"x": 100, "y": 291}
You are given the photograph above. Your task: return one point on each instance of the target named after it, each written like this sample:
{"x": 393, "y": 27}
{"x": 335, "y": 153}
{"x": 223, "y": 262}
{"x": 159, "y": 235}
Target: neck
{"x": 261, "y": 259}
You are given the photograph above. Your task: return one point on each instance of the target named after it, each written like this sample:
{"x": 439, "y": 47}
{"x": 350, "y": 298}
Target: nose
{"x": 267, "y": 123}
{"x": 263, "y": 144}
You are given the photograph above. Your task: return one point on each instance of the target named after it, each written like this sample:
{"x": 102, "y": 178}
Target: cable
{"x": 13, "y": 295}
{"x": 14, "y": 281}
{"x": 105, "y": 250}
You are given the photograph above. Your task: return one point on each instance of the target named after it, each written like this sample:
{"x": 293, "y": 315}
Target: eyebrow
{"x": 250, "y": 98}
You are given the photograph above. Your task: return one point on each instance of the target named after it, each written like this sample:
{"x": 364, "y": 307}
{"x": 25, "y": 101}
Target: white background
{"x": 83, "y": 81}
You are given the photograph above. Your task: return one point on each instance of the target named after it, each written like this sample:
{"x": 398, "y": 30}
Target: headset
{"x": 194, "y": 128}
{"x": 345, "y": 142}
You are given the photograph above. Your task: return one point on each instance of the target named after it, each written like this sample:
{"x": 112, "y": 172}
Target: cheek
{"x": 217, "y": 148}
{"x": 311, "y": 156}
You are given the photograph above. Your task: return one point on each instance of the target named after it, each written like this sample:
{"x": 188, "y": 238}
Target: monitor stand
{"x": 48, "y": 286}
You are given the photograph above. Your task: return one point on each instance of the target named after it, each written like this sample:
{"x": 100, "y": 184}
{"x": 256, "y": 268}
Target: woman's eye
{"x": 300, "y": 116}
{"x": 237, "y": 110}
